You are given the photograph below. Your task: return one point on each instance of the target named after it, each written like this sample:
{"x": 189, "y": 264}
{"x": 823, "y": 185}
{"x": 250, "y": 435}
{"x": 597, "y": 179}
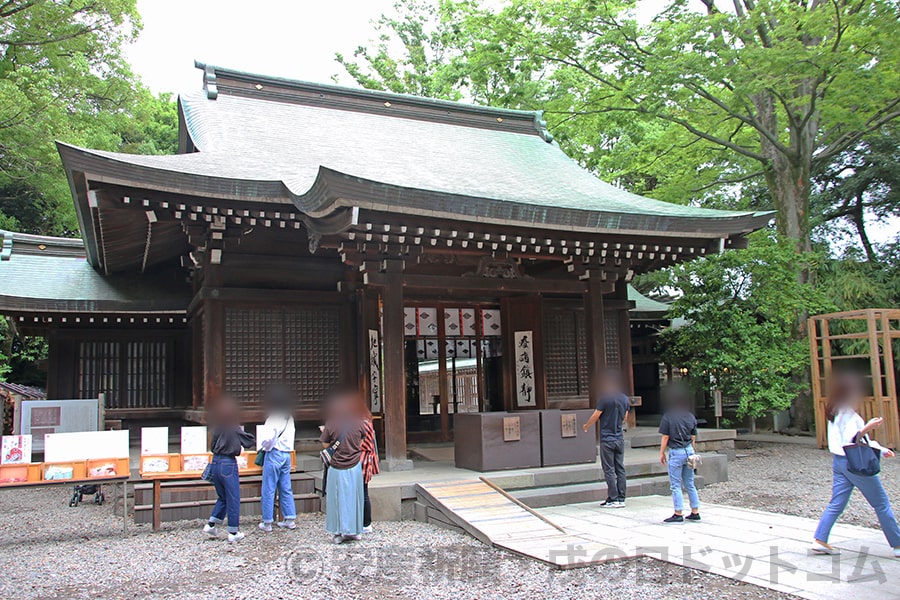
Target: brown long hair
{"x": 843, "y": 389}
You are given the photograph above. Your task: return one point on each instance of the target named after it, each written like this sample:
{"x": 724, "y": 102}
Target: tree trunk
{"x": 859, "y": 221}
{"x": 788, "y": 176}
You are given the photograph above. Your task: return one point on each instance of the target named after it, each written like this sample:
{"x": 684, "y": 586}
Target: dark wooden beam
{"x": 394, "y": 367}
{"x": 479, "y": 284}
{"x": 596, "y": 331}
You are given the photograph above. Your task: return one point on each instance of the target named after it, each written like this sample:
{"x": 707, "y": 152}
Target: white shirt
{"x": 275, "y": 425}
{"x": 846, "y": 424}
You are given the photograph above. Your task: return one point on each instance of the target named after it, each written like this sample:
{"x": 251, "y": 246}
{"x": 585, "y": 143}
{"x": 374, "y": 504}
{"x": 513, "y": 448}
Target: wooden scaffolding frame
{"x": 875, "y": 331}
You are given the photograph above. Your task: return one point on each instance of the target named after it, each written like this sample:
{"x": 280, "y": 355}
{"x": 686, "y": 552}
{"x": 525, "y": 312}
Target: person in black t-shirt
{"x": 612, "y": 408}
{"x": 679, "y": 431}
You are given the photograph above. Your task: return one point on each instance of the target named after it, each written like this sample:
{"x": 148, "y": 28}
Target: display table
{"x": 495, "y": 441}
{"x": 176, "y": 472}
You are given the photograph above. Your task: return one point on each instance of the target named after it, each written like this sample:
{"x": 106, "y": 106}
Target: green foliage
{"x": 740, "y": 309}
{"x": 861, "y": 183}
{"x": 63, "y": 77}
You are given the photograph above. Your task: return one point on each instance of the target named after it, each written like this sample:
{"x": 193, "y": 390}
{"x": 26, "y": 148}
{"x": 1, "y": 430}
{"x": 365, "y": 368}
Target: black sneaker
{"x": 674, "y": 519}
{"x": 609, "y": 503}
{"x": 693, "y": 517}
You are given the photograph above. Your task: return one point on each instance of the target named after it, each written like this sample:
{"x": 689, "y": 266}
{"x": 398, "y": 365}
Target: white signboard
{"x": 85, "y": 445}
{"x": 154, "y": 440}
{"x": 374, "y": 371}
{"x": 16, "y": 449}
{"x": 525, "y": 378}
{"x": 193, "y": 440}
{"x": 40, "y": 417}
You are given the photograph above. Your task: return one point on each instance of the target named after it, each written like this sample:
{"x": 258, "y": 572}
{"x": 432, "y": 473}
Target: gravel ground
{"x": 795, "y": 480}
{"x": 49, "y": 550}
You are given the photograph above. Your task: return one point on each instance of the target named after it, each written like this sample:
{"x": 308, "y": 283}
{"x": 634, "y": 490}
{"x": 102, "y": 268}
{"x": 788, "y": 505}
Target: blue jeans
{"x": 277, "y": 475}
{"x": 842, "y": 489}
{"x": 682, "y": 474}
{"x": 228, "y": 489}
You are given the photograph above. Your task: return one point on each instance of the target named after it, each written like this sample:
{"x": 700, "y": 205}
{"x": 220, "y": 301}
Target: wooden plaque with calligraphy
{"x": 569, "y": 425}
{"x": 512, "y": 431}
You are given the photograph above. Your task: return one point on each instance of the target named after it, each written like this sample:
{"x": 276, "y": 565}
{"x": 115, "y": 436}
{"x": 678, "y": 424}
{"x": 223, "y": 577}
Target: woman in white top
{"x": 277, "y": 439}
{"x": 844, "y": 427}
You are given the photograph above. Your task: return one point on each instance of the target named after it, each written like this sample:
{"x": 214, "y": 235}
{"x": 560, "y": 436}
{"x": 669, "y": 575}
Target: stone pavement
{"x": 756, "y": 547}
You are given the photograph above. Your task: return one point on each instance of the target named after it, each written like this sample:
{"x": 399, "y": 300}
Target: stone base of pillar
{"x": 396, "y": 465}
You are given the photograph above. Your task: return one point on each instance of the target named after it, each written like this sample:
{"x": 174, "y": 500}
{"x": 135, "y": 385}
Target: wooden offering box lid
{"x": 17, "y": 473}
{"x": 105, "y": 468}
{"x": 78, "y": 469}
{"x": 152, "y": 464}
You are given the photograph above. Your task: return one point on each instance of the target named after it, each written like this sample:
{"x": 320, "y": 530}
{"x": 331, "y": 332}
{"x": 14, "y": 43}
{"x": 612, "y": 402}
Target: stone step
{"x": 593, "y": 492}
{"x": 308, "y": 463}
{"x": 566, "y": 475}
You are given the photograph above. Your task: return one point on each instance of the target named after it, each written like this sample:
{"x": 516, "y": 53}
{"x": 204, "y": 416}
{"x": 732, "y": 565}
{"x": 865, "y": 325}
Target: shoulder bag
{"x": 327, "y": 454}
{"x": 862, "y": 459}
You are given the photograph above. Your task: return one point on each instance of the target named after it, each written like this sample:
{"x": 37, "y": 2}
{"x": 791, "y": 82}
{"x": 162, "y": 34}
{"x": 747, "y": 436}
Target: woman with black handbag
{"x": 854, "y": 464}
{"x": 228, "y": 438}
{"x": 342, "y": 453}
{"x": 276, "y": 446}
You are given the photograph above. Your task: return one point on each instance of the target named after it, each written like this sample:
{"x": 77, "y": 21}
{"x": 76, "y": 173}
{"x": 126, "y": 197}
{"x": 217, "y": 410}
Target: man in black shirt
{"x": 612, "y": 408}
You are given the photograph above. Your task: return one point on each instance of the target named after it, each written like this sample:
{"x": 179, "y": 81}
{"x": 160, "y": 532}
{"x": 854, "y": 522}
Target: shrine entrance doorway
{"x": 454, "y": 364}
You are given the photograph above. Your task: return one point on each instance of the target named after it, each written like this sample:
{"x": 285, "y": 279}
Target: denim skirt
{"x": 344, "y": 501}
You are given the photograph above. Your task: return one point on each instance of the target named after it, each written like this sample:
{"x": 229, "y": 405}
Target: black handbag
{"x": 862, "y": 459}
{"x": 327, "y": 454}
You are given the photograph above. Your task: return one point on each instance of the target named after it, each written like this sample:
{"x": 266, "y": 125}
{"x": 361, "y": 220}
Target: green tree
{"x": 740, "y": 310}
{"x": 861, "y": 182}
{"x": 62, "y": 76}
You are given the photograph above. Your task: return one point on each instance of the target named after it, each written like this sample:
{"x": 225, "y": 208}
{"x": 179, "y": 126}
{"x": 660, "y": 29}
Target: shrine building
{"x": 445, "y": 257}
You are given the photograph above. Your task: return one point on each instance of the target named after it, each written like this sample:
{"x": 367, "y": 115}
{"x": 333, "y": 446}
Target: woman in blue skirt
{"x": 344, "y": 484}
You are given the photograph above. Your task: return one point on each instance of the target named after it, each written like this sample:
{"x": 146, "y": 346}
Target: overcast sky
{"x": 289, "y": 38}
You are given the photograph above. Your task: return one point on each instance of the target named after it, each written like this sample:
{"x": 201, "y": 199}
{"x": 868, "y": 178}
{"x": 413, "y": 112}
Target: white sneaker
{"x": 267, "y": 527}
{"x": 823, "y": 548}
{"x": 896, "y": 552}
{"x": 619, "y": 504}
{"x": 236, "y": 537}
{"x": 337, "y": 539}
{"x": 287, "y": 524}
{"x": 211, "y": 530}
{"x": 367, "y": 529}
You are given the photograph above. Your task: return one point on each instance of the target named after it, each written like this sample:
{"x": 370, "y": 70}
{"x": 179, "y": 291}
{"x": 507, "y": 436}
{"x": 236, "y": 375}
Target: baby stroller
{"x": 86, "y": 490}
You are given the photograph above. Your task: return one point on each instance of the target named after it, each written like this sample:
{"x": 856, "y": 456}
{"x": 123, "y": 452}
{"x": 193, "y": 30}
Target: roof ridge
{"x": 29, "y": 243}
{"x": 213, "y": 77}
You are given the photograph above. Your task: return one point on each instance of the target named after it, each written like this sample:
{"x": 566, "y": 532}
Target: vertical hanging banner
{"x": 374, "y": 371}
{"x": 525, "y": 383}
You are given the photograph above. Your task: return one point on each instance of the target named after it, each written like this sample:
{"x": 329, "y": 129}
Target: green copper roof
{"x": 646, "y": 308}
{"x": 326, "y": 148}
{"x": 46, "y": 274}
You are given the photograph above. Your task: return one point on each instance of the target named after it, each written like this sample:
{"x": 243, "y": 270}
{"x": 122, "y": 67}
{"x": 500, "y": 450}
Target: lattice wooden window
{"x": 299, "y": 347}
{"x": 565, "y": 353}
{"x": 611, "y": 323}
{"x": 132, "y": 374}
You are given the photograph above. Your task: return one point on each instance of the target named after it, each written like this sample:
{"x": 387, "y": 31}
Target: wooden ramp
{"x": 492, "y": 516}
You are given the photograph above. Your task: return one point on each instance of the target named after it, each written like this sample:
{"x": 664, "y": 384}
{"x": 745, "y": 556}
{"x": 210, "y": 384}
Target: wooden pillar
{"x": 595, "y": 324}
{"x": 213, "y": 350}
{"x": 625, "y": 351}
{"x": 394, "y": 368}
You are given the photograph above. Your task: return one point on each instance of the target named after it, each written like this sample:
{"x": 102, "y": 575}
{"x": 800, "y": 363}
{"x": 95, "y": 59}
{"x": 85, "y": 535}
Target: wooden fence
{"x": 859, "y": 338}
